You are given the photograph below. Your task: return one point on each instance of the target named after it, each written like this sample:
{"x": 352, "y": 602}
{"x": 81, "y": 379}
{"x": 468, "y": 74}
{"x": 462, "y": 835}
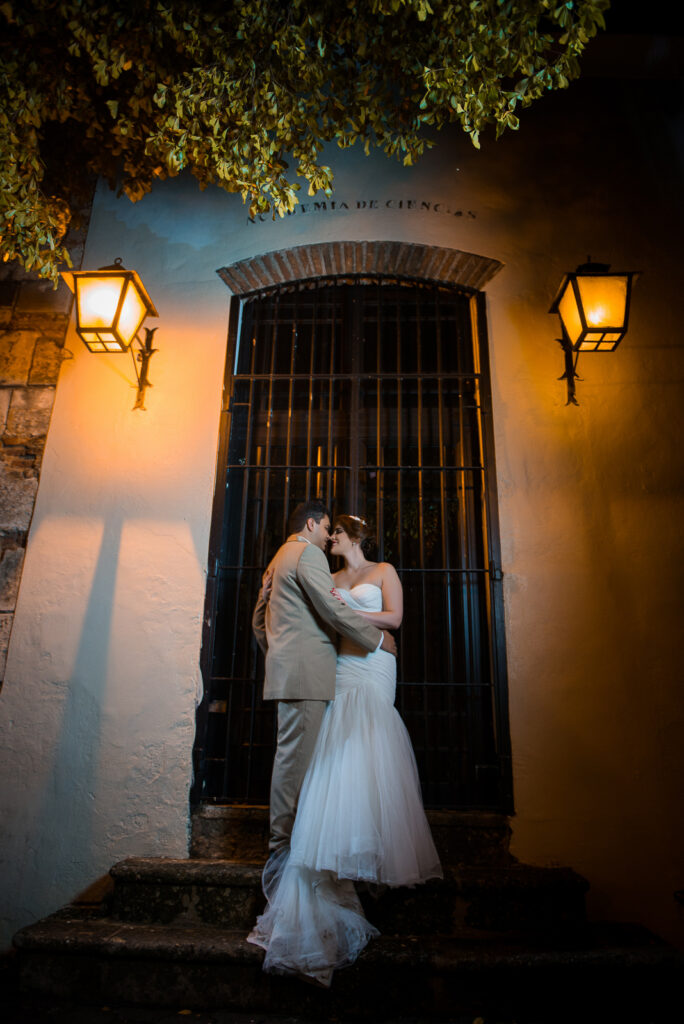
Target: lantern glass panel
{"x": 98, "y": 300}
{"x": 604, "y": 299}
{"x": 132, "y": 314}
{"x": 569, "y": 314}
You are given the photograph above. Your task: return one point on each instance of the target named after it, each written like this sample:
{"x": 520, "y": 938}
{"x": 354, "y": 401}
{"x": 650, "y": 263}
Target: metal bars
{"x": 370, "y": 395}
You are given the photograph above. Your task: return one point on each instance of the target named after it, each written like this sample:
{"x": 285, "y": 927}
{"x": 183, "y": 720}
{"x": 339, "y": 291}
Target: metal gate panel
{"x": 374, "y": 395}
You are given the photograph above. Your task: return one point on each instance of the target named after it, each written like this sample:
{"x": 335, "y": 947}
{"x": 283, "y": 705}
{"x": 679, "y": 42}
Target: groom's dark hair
{"x": 313, "y": 509}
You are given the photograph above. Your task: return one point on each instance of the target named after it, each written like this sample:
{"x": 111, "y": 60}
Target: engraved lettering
{"x": 323, "y": 206}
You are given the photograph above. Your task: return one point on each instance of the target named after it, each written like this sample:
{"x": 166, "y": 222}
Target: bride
{"x": 360, "y": 815}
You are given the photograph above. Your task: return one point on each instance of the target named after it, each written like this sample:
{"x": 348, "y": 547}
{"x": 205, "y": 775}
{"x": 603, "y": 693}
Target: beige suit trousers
{"x": 299, "y": 722}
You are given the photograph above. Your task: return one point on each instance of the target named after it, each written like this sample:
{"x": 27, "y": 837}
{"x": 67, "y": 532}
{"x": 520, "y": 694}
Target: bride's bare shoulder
{"x": 388, "y": 570}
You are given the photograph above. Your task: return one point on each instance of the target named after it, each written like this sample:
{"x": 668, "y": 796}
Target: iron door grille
{"x": 373, "y": 394}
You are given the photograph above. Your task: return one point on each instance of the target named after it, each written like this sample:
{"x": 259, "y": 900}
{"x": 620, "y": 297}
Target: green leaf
{"x": 225, "y": 91}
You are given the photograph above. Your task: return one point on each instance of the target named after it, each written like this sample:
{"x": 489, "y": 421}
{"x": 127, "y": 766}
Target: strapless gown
{"x": 360, "y": 817}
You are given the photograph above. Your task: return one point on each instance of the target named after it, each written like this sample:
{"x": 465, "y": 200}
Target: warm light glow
{"x": 593, "y": 306}
{"x": 111, "y": 305}
{"x": 98, "y": 300}
{"x": 604, "y": 299}
{"x": 101, "y": 309}
{"x": 569, "y": 314}
{"x": 132, "y": 314}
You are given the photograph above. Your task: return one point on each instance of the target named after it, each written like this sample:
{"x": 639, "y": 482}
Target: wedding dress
{"x": 360, "y": 817}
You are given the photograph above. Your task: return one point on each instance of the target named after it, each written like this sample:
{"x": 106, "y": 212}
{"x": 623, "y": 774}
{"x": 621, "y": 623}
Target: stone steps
{"x": 227, "y": 893}
{"x": 240, "y": 832}
{"x": 597, "y": 972}
{"x": 163, "y": 890}
{"x": 494, "y": 939}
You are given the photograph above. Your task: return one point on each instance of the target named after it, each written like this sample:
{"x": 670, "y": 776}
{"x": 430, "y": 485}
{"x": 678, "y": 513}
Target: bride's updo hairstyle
{"x": 359, "y": 530}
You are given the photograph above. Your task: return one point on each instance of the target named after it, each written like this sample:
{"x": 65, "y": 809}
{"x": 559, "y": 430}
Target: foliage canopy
{"x": 233, "y": 90}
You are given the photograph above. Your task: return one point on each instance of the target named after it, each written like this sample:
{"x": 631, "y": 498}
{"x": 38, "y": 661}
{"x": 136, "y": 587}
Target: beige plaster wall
{"x": 102, "y": 673}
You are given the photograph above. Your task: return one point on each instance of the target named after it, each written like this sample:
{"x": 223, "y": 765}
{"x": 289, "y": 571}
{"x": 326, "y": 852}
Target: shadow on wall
{"x": 68, "y": 824}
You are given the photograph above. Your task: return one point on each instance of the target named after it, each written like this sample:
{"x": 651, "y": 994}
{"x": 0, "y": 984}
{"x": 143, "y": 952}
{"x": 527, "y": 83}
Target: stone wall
{"x": 33, "y": 323}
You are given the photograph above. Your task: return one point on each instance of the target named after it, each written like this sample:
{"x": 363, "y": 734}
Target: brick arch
{"x": 327, "y": 259}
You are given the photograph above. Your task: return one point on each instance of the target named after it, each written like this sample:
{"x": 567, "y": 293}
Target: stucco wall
{"x": 102, "y": 674}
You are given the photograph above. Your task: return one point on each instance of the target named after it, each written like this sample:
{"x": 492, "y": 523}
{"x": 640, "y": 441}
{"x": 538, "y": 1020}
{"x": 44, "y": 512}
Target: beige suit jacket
{"x": 296, "y": 628}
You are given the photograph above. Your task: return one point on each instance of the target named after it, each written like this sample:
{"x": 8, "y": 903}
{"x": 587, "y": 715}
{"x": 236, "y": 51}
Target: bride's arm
{"x": 392, "y": 601}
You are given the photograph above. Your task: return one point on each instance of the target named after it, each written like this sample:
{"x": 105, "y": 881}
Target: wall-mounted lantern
{"x": 593, "y": 306}
{"x": 111, "y": 305}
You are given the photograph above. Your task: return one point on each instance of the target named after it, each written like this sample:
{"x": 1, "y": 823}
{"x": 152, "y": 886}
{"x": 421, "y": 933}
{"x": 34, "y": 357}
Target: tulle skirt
{"x": 360, "y": 812}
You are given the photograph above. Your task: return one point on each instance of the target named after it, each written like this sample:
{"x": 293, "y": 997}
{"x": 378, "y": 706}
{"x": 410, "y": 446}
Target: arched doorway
{"x": 371, "y": 391}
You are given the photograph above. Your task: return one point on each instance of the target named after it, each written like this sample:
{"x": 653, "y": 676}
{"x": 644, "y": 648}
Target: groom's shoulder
{"x": 290, "y": 552}
{"x": 312, "y": 560}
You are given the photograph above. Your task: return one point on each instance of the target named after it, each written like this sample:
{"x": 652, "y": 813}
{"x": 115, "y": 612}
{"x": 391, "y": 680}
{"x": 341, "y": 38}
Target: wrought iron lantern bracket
{"x": 570, "y": 374}
{"x": 143, "y": 354}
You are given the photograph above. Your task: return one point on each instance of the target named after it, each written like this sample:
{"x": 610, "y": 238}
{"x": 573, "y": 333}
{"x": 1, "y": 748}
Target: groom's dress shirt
{"x": 296, "y": 628}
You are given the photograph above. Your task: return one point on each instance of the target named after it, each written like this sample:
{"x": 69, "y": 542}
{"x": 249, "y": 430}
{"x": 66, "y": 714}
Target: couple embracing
{"x": 345, "y": 799}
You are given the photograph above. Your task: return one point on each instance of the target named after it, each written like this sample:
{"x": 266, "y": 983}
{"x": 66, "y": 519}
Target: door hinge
{"x": 495, "y": 572}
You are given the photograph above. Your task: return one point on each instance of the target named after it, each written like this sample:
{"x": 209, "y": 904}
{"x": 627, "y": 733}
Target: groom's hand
{"x": 266, "y": 585}
{"x": 388, "y": 643}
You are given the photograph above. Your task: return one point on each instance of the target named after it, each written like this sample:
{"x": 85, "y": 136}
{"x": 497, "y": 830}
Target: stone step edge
{"x": 463, "y": 819}
{"x": 188, "y": 871}
{"x": 211, "y": 872}
{"x": 105, "y": 937}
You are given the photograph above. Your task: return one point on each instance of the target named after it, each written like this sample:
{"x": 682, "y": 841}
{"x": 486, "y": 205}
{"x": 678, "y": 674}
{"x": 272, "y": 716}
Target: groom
{"x": 295, "y": 626}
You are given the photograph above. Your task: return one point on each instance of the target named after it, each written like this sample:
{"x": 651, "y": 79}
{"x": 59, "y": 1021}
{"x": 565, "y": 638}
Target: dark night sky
{"x": 649, "y": 17}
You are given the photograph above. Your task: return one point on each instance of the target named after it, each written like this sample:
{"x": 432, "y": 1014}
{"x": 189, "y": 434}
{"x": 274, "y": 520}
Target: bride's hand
{"x": 266, "y": 584}
{"x": 335, "y": 593}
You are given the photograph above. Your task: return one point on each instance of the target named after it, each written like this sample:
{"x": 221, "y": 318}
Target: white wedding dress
{"x": 360, "y": 817}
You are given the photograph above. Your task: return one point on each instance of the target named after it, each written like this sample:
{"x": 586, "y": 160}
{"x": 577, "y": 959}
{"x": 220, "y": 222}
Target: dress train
{"x": 313, "y": 923}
